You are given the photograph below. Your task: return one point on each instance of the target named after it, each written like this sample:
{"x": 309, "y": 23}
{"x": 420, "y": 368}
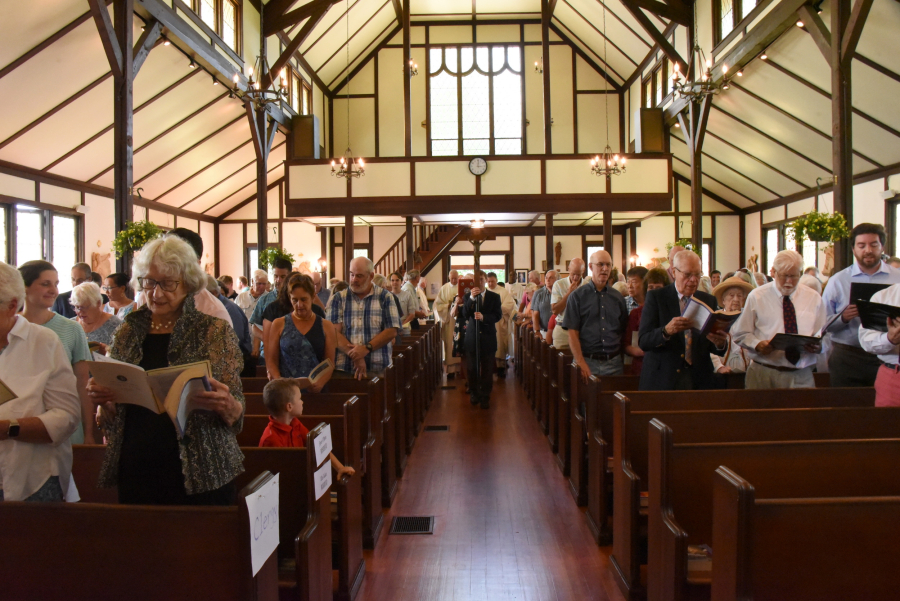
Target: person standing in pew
{"x": 540, "y": 306}
{"x": 559, "y": 298}
{"x": 849, "y": 364}
{"x": 780, "y": 306}
{"x": 36, "y": 427}
{"x": 482, "y": 309}
{"x": 887, "y": 346}
{"x": 731, "y": 295}
{"x": 281, "y": 306}
{"x": 303, "y": 338}
{"x": 675, "y": 357}
{"x": 283, "y": 399}
{"x": 366, "y": 321}
{"x": 653, "y": 280}
{"x": 144, "y": 457}
{"x": 596, "y": 318}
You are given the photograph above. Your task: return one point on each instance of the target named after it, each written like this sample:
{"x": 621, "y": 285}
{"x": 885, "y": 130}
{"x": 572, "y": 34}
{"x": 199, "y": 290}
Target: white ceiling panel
{"x": 634, "y": 45}
{"x": 728, "y": 178}
{"x": 874, "y": 142}
{"x": 506, "y": 6}
{"x": 184, "y": 180}
{"x": 796, "y": 52}
{"x": 88, "y": 161}
{"x": 370, "y": 30}
{"x": 333, "y": 41}
{"x": 248, "y": 191}
{"x": 714, "y": 187}
{"x": 26, "y": 24}
{"x": 789, "y": 95}
{"x": 876, "y": 95}
{"x": 334, "y": 72}
{"x": 224, "y": 189}
{"x": 576, "y": 27}
{"x": 440, "y": 7}
{"x": 759, "y": 173}
{"x": 879, "y": 41}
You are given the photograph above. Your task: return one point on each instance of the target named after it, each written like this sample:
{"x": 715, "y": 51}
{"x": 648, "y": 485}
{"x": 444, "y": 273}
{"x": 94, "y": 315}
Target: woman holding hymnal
{"x": 731, "y": 295}
{"x": 304, "y": 341}
{"x": 174, "y": 444}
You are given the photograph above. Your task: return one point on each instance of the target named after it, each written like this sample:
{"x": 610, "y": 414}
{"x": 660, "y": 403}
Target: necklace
{"x": 161, "y": 326}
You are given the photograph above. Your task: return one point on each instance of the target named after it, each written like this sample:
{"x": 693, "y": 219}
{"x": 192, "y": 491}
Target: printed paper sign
{"x": 323, "y": 444}
{"x": 323, "y": 480}
{"x": 263, "y": 509}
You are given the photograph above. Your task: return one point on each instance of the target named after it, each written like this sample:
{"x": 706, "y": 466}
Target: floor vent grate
{"x": 413, "y": 525}
{"x": 437, "y": 428}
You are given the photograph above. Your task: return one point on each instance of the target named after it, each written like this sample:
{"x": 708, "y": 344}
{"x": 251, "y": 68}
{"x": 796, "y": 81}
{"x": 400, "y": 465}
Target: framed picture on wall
{"x": 567, "y": 264}
{"x": 521, "y": 276}
{"x": 544, "y": 266}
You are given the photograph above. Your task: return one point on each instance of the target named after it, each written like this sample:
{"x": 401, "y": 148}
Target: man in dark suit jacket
{"x": 484, "y": 308}
{"x": 664, "y": 334}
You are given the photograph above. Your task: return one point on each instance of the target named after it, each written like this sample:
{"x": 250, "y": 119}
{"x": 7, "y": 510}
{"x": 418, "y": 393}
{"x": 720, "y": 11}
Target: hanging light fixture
{"x": 607, "y": 164}
{"x": 349, "y": 166}
{"x": 413, "y": 68}
{"x": 539, "y": 65}
{"x": 254, "y": 92}
{"x": 697, "y": 90}
{"x": 476, "y": 224}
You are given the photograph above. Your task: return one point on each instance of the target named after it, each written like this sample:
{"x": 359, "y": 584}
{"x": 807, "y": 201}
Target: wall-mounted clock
{"x": 477, "y": 166}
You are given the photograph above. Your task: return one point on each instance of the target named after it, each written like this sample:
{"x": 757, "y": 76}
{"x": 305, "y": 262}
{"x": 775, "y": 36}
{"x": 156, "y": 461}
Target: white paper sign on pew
{"x": 323, "y": 444}
{"x": 323, "y": 480}
{"x": 263, "y": 509}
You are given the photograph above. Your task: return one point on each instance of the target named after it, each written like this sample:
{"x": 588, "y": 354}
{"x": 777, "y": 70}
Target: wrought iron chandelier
{"x": 607, "y": 164}
{"x": 697, "y": 90}
{"x": 261, "y": 97}
{"x": 348, "y": 166}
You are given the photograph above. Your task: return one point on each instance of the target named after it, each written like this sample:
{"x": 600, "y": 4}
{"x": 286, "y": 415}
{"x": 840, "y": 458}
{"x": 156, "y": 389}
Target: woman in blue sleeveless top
{"x": 304, "y": 338}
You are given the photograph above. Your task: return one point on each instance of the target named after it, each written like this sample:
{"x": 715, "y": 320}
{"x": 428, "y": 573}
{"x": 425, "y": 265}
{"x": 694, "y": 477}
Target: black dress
{"x": 150, "y": 462}
{"x": 459, "y": 333}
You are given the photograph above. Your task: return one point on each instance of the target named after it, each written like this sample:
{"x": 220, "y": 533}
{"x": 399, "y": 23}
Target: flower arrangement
{"x": 271, "y": 254}
{"x": 821, "y": 227}
{"x": 684, "y": 243}
{"x": 135, "y": 235}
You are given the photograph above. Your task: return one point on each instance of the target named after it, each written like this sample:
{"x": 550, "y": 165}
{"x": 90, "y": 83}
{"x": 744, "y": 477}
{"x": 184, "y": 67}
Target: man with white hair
{"x": 776, "y": 307}
{"x": 540, "y": 304}
{"x": 672, "y": 254}
{"x": 366, "y": 319}
{"x": 411, "y": 285}
{"x": 442, "y": 304}
{"x": 247, "y": 300}
{"x": 560, "y": 297}
{"x": 322, "y": 292}
{"x": 533, "y": 285}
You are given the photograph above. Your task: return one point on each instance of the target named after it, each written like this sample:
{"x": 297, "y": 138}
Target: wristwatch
{"x": 13, "y": 429}
{"x": 368, "y": 346}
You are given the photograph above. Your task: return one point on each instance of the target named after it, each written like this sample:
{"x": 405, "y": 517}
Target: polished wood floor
{"x": 506, "y": 527}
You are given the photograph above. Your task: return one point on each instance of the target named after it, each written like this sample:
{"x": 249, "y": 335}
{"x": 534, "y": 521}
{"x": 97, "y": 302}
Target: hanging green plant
{"x": 135, "y": 235}
{"x": 273, "y": 253}
{"x": 684, "y": 243}
{"x": 820, "y": 227}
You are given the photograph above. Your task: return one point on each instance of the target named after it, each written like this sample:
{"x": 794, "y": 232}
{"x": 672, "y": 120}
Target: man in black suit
{"x": 676, "y": 357}
{"x": 482, "y": 308}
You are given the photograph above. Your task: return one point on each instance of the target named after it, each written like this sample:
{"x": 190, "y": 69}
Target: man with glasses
{"x": 675, "y": 356}
{"x": 248, "y": 299}
{"x": 366, "y": 319}
{"x": 780, "y": 306}
{"x": 81, "y": 273}
{"x": 596, "y": 318}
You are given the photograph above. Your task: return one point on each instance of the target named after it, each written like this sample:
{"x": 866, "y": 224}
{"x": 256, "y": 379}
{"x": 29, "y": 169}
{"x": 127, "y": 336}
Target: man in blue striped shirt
{"x": 367, "y": 321}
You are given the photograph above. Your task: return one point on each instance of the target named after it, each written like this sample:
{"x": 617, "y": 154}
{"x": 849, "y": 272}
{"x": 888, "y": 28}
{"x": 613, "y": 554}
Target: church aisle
{"x": 506, "y": 527}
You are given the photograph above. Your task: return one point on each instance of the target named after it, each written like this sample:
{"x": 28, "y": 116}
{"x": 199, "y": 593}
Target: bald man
{"x": 671, "y": 270}
{"x": 596, "y": 318}
{"x": 442, "y": 305}
{"x": 560, "y": 297}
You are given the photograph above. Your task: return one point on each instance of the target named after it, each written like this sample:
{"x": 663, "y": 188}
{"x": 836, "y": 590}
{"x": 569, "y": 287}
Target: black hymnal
{"x": 860, "y": 291}
{"x": 874, "y": 316}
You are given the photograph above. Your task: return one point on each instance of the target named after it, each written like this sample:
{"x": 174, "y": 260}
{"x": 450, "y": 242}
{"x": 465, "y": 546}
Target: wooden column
{"x": 123, "y": 123}
{"x": 841, "y": 126}
{"x": 262, "y": 154}
{"x": 348, "y": 245}
{"x": 607, "y": 236}
{"x": 546, "y": 14}
{"x": 548, "y": 224}
{"x": 694, "y": 132}
{"x": 410, "y": 251}
{"x": 407, "y": 84}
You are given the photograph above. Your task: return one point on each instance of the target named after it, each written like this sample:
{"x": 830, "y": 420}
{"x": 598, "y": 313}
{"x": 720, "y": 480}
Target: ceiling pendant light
{"x": 607, "y": 164}
{"x": 349, "y": 166}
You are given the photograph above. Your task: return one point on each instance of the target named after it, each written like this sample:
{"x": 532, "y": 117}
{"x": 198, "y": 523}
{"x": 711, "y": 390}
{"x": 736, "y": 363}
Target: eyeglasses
{"x": 165, "y": 286}
{"x": 689, "y": 275}
{"x": 110, "y": 288}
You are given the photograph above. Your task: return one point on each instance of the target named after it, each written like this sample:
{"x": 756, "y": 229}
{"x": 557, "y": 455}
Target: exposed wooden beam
{"x": 123, "y": 122}
{"x": 709, "y": 193}
{"x": 650, "y": 57}
{"x": 841, "y": 125}
{"x": 293, "y": 46}
{"x": 657, "y": 36}
{"x": 672, "y": 13}
{"x": 398, "y": 10}
{"x": 548, "y": 239}
{"x": 200, "y": 170}
{"x": 599, "y": 32}
{"x": 107, "y": 36}
{"x": 880, "y": 68}
{"x": 275, "y": 7}
{"x": 603, "y": 72}
{"x": 757, "y": 159}
{"x": 853, "y": 30}
{"x": 274, "y": 22}
{"x": 545, "y": 60}
{"x": 533, "y": 221}
{"x": 362, "y": 64}
{"x": 255, "y": 135}
{"x": 816, "y": 27}
{"x": 407, "y": 84}
{"x": 245, "y": 202}
{"x": 306, "y": 66}
{"x": 712, "y": 179}
{"x": 146, "y": 43}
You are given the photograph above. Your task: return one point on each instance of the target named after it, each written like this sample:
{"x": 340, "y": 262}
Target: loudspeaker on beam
{"x": 649, "y": 131}
{"x": 305, "y": 134}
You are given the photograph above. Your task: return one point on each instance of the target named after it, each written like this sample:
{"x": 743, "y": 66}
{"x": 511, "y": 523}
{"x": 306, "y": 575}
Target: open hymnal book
{"x": 699, "y": 558}
{"x": 863, "y": 291}
{"x": 782, "y": 341}
{"x": 167, "y": 390}
{"x": 317, "y": 373}
{"x": 6, "y": 394}
{"x": 874, "y": 316}
{"x": 705, "y": 320}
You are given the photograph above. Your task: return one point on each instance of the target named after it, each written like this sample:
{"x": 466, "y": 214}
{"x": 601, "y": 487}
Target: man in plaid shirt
{"x": 367, "y": 321}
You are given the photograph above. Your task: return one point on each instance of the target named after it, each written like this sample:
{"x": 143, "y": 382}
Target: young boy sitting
{"x": 282, "y": 398}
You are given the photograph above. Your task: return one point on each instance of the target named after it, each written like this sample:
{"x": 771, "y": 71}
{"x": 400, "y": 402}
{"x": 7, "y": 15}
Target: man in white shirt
{"x": 421, "y": 287}
{"x": 887, "y": 346}
{"x": 247, "y": 299}
{"x": 560, "y": 296}
{"x": 411, "y": 285}
{"x": 776, "y": 307}
{"x": 442, "y": 304}
{"x": 507, "y": 307}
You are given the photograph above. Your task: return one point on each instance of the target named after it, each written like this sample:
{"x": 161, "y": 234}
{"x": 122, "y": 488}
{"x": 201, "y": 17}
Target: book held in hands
{"x": 167, "y": 390}
{"x": 874, "y": 316}
{"x": 705, "y": 320}
{"x": 317, "y": 373}
{"x": 782, "y": 341}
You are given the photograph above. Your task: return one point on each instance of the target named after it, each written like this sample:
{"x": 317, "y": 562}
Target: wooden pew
{"x": 553, "y": 401}
{"x": 543, "y": 396}
{"x": 389, "y": 475}
{"x": 681, "y": 491}
{"x": 630, "y": 465}
{"x": 88, "y": 551}
{"x": 563, "y": 408}
{"x": 786, "y": 547}
{"x": 578, "y": 433}
{"x": 398, "y": 412}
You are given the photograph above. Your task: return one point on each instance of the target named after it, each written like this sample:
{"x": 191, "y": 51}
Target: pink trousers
{"x": 887, "y": 387}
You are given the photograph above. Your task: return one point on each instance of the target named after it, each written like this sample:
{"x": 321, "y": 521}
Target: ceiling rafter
{"x": 756, "y": 158}
{"x": 657, "y": 36}
{"x": 247, "y": 201}
{"x": 293, "y": 45}
{"x": 877, "y": 67}
{"x": 330, "y": 27}
{"x": 368, "y": 57}
{"x": 712, "y": 179}
{"x": 600, "y": 33}
{"x": 281, "y": 21}
{"x": 813, "y": 24}
{"x": 353, "y": 35}
{"x": 732, "y": 169}
{"x": 225, "y": 179}
{"x": 650, "y": 57}
{"x": 678, "y": 14}
{"x": 107, "y": 36}
{"x": 852, "y": 33}
{"x": 306, "y": 66}
{"x": 604, "y": 73}
{"x": 209, "y": 165}
{"x": 709, "y": 193}
{"x": 250, "y": 183}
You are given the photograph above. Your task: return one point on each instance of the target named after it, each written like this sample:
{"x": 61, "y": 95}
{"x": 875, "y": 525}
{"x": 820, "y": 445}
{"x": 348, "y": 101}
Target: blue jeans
{"x": 50, "y": 492}
{"x": 598, "y": 368}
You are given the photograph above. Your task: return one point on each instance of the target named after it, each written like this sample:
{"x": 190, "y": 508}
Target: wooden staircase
{"x": 430, "y": 243}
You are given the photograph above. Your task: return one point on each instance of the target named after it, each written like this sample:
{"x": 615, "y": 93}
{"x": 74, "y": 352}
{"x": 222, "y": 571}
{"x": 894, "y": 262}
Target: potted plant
{"x": 820, "y": 227}
{"x": 271, "y": 254}
{"x": 684, "y": 243}
{"x": 135, "y": 235}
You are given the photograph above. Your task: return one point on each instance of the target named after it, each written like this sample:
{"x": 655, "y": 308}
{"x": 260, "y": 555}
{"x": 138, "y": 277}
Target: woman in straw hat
{"x": 731, "y": 295}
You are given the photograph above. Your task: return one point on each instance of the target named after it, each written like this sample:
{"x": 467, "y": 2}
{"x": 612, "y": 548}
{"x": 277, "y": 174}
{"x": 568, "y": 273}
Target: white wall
{"x": 99, "y": 227}
{"x": 652, "y": 237}
{"x": 728, "y": 232}
{"x": 231, "y": 253}
{"x": 303, "y": 241}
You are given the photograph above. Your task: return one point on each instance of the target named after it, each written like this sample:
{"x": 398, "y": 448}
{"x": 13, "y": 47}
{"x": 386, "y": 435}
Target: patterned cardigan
{"x": 210, "y": 454}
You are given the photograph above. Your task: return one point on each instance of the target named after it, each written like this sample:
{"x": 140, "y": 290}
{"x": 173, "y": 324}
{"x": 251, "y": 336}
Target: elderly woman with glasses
{"x": 97, "y": 325}
{"x": 145, "y": 458}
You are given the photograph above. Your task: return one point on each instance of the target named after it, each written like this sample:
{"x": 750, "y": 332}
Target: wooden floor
{"x": 506, "y": 526}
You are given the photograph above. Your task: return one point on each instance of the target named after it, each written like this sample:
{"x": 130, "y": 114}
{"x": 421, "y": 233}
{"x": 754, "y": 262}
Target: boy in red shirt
{"x": 282, "y": 398}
